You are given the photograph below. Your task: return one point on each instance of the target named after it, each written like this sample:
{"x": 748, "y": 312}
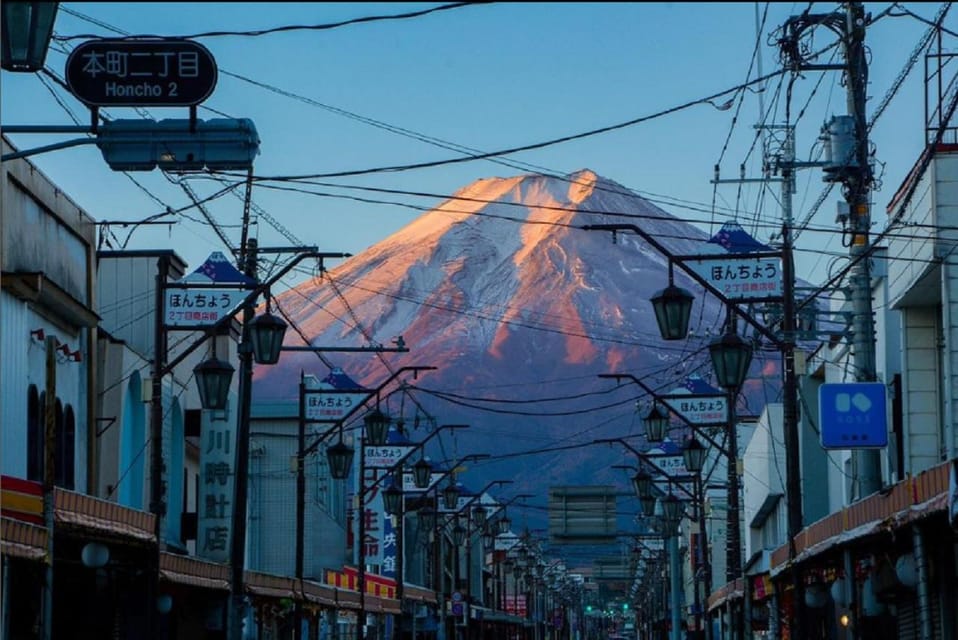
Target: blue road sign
{"x": 853, "y": 415}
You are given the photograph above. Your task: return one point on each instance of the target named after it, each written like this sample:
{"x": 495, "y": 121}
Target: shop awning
{"x": 419, "y": 594}
{"x": 271, "y": 586}
{"x": 731, "y": 591}
{"x": 194, "y": 572}
{"x": 22, "y": 540}
{"x": 103, "y": 516}
{"x": 911, "y": 499}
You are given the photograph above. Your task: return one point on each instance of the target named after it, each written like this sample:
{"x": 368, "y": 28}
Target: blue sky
{"x": 489, "y": 77}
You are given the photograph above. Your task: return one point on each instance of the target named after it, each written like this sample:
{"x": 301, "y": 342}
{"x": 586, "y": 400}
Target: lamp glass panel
{"x": 213, "y": 379}
{"x": 27, "y": 29}
{"x": 450, "y": 496}
{"x": 673, "y": 308}
{"x": 266, "y": 334}
{"x": 392, "y": 500}
{"x": 694, "y": 455}
{"x": 340, "y": 457}
{"x": 421, "y": 473}
{"x": 377, "y": 427}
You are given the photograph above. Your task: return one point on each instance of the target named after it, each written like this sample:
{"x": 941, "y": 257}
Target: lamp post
{"x": 27, "y": 29}
{"x": 373, "y": 424}
{"x": 429, "y": 521}
{"x": 734, "y": 361}
{"x": 786, "y": 347}
{"x": 643, "y": 482}
{"x": 694, "y": 454}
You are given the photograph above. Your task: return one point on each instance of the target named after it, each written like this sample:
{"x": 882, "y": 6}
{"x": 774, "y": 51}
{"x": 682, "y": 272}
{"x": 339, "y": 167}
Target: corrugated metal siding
{"x": 16, "y": 376}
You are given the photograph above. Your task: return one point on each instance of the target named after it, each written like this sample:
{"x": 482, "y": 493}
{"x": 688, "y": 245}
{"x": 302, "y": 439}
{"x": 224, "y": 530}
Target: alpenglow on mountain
{"x": 519, "y": 309}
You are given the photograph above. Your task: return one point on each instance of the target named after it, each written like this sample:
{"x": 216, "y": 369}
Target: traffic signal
{"x": 171, "y": 144}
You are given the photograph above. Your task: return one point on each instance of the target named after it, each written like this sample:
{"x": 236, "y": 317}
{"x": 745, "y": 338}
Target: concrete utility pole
{"x": 857, "y": 181}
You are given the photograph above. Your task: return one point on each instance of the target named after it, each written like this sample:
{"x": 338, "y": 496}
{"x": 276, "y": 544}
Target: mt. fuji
{"x": 518, "y": 309}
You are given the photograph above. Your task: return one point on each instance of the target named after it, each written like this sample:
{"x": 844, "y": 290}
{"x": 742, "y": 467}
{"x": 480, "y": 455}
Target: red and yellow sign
{"x": 376, "y": 585}
{"x": 21, "y": 499}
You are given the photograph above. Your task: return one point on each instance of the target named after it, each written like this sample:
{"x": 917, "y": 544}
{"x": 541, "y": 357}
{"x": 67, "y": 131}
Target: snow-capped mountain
{"x": 519, "y": 309}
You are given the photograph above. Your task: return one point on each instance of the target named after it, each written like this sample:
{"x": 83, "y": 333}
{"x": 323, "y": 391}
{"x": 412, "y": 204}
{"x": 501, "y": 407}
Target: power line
{"x": 272, "y": 30}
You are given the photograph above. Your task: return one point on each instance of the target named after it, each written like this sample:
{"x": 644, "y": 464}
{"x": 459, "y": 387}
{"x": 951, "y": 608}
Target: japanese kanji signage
{"x": 703, "y": 410}
{"x": 213, "y": 291}
{"x": 386, "y": 456}
{"x": 217, "y": 451}
{"x": 741, "y": 277}
{"x": 330, "y": 405}
{"x": 200, "y": 306}
{"x": 156, "y": 72}
{"x": 671, "y": 465}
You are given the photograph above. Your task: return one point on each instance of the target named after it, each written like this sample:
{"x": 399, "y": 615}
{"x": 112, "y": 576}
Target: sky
{"x": 486, "y": 77}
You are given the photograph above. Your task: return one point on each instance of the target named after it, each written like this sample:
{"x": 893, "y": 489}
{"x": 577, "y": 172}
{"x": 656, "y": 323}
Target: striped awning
{"x": 22, "y": 540}
{"x": 194, "y": 572}
{"x": 103, "y": 516}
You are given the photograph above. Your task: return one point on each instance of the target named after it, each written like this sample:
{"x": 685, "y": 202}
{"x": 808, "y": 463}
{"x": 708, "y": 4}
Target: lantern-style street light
{"x": 421, "y": 473}
{"x": 27, "y": 29}
{"x": 213, "y": 379}
{"x": 450, "y": 495}
{"x": 266, "y": 335}
{"x": 731, "y": 357}
{"x": 340, "y": 457}
{"x": 656, "y": 423}
{"x": 694, "y": 454}
{"x": 377, "y": 427}
{"x": 642, "y": 483}
{"x": 673, "y": 308}
{"x": 392, "y": 499}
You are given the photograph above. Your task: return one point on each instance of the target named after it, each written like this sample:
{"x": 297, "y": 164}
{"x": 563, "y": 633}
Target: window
{"x": 65, "y": 447}
{"x": 34, "y": 436}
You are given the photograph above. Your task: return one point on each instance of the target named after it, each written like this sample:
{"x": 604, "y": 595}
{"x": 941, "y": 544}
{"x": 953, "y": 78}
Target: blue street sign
{"x": 853, "y": 415}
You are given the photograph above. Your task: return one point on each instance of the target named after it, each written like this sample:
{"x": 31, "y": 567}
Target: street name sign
{"x": 386, "y": 456}
{"x": 853, "y": 415}
{"x": 741, "y": 277}
{"x": 331, "y": 405}
{"x": 697, "y": 409}
{"x": 200, "y": 306}
{"x": 161, "y": 72}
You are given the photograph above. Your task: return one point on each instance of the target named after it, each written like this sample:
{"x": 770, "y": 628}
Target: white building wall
{"x": 764, "y": 466}
{"x": 921, "y": 400}
{"x": 946, "y": 212}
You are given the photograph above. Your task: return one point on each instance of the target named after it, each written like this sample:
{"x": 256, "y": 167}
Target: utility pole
{"x": 237, "y": 610}
{"x": 857, "y": 180}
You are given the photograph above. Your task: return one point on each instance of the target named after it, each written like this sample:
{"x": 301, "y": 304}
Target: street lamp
{"x": 340, "y": 457}
{"x": 642, "y": 483}
{"x": 213, "y": 378}
{"x": 450, "y": 495}
{"x": 656, "y": 423}
{"x": 392, "y": 499}
{"x": 266, "y": 335}
{"x": 421, "y": 473}
{"x": 27, "y": 29}
{"x": 731, "y": 357}
{"x": 458, "y": 534}
{"x": 479, "y": 515}
{"x": 377, "y": 427}
{"x": 694, "y": 454}
{"x": 673, "y": 308}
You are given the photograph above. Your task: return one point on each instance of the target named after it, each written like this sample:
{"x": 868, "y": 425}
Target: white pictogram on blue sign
{"x": 853, "y": 415}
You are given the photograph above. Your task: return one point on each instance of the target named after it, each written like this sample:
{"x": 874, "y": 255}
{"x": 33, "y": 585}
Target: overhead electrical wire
{"x": 272, "y": 30}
